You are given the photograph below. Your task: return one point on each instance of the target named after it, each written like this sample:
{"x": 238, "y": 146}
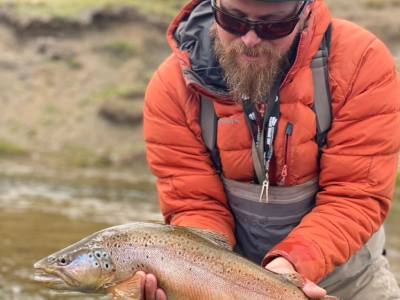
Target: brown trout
{"x": 189, "y": 264}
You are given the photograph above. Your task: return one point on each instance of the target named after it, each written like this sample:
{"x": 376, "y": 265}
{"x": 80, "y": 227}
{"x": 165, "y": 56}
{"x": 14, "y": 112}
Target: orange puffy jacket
{"x": 357, "y": 168}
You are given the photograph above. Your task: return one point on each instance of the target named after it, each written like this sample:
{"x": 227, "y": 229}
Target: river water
{"x": 39, "y": 216}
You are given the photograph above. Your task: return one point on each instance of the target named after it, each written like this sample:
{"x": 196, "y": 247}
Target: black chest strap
{"x": 209, "y": 125}
{"x": 322, "y": 95}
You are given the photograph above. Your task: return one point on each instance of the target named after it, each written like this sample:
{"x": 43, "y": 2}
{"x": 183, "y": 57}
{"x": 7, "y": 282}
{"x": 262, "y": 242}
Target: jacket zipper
{"x": 288, "y": 134}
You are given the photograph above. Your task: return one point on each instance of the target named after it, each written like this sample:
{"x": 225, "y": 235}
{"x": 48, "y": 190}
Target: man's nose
{"x": 251, "y": 39}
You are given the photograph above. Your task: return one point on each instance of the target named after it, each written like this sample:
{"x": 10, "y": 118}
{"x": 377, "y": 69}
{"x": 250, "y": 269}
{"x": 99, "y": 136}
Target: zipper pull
{"x": 264, "y": 190}
{"x": 284, "y": 172}
{"x": 283, "y": 175}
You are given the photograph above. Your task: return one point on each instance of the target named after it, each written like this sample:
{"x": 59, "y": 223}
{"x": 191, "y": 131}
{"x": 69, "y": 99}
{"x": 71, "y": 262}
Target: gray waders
{"x": 262, "y": 222}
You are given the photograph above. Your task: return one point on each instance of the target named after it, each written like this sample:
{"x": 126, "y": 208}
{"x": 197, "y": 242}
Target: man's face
{"x": 251, "y": 64}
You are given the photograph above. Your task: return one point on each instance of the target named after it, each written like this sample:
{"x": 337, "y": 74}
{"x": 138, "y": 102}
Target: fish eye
{"x": 63, "y": 261}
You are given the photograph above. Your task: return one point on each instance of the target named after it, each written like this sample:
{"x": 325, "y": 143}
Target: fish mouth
{"x": 49, "y": 280}
{"x": 53, "y": 279}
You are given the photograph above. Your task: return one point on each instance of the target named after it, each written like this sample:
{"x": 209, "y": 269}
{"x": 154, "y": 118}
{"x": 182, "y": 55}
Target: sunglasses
{"x": 267, "y": 30}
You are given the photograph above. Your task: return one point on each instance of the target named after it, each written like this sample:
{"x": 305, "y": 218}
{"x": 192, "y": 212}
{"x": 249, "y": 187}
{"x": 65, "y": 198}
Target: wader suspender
{"x": 322, "y": 104}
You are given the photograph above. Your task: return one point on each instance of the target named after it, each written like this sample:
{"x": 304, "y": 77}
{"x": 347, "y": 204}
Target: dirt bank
{"x": 72, "y": 92}
{"x": 72, "y": 88}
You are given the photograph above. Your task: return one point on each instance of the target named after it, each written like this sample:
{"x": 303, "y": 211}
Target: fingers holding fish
{"x": 281, "y": 265}
{"x": 151, "y": 290}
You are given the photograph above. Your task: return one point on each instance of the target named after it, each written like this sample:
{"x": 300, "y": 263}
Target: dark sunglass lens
{"x": 276, "y": 30}
{"x": 230, "y": 24}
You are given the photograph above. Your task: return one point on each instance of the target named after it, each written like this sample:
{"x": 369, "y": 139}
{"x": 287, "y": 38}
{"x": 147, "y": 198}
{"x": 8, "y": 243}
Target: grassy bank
{"x": 379, "y": 16}
{"x": 76, "y": 8}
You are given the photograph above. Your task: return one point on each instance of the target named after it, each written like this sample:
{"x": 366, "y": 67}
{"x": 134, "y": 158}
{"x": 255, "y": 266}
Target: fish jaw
{"x": 53, "y": 279}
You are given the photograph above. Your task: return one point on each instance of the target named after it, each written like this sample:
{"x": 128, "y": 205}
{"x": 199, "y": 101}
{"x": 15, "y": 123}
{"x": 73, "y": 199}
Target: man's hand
{"x": 149, "y": 289}
{"x": 283, "y": 266}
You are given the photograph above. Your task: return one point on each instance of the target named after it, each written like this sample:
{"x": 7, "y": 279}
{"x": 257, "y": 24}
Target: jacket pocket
{"x": 287, "y": 148}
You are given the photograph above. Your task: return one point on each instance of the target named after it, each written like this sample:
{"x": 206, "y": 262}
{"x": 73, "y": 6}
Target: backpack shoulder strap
{"x": 322, "y": 96}
{"x": 209, "y": 125}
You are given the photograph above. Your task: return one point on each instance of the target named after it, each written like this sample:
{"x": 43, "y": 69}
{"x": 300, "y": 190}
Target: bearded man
{"x": 280, "y": 197}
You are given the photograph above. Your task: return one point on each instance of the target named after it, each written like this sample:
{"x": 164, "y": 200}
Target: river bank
{"x": 73, "y": 75}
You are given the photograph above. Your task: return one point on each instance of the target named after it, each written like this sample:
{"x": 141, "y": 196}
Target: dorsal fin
{"x": 213, "y": 237}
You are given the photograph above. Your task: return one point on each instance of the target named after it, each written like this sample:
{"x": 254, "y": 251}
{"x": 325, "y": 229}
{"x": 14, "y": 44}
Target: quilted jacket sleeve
{"x": 191, "y": 193}
{"x": 358, "y": 167}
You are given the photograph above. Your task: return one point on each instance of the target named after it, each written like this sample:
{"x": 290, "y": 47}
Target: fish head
{"x": 85, "y": 269}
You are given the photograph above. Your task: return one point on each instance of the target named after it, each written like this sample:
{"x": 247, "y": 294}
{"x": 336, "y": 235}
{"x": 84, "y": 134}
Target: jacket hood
{"x": 189, "y": 37}
{"x": 192, "y": 42}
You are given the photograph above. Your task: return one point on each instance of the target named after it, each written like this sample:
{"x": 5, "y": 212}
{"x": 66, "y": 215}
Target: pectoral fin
{"x": 293, "y": 278}
{"x": 213, "y": 237}
{"x": 127, "y": 290}
{"x": 299, "y": 281}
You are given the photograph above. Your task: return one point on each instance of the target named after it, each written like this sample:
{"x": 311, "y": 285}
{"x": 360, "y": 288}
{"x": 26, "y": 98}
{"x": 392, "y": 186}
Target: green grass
{"x": 51, "y": 109}
{"x": 10, "y": 149}
{"x": 136, "y": 91}
{"x": 75, "y": 8}
{"x": 166, "y": 8}
{"x": 120, "y": 49}
{"x": 73, "y": 63}
{"x": 80, "y": 156}
{"x": 378, "y": 4}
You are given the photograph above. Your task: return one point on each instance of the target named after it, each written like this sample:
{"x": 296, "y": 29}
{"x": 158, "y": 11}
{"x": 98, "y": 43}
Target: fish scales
{"x": 179, "y": 258}
{"x": 188, "y": 266}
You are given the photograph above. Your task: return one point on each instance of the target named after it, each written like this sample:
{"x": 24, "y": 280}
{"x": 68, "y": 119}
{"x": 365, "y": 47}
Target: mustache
{"x": 239, "y": 48}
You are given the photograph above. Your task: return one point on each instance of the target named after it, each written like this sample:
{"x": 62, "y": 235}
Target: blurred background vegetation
{"x": 73, "y": 74}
